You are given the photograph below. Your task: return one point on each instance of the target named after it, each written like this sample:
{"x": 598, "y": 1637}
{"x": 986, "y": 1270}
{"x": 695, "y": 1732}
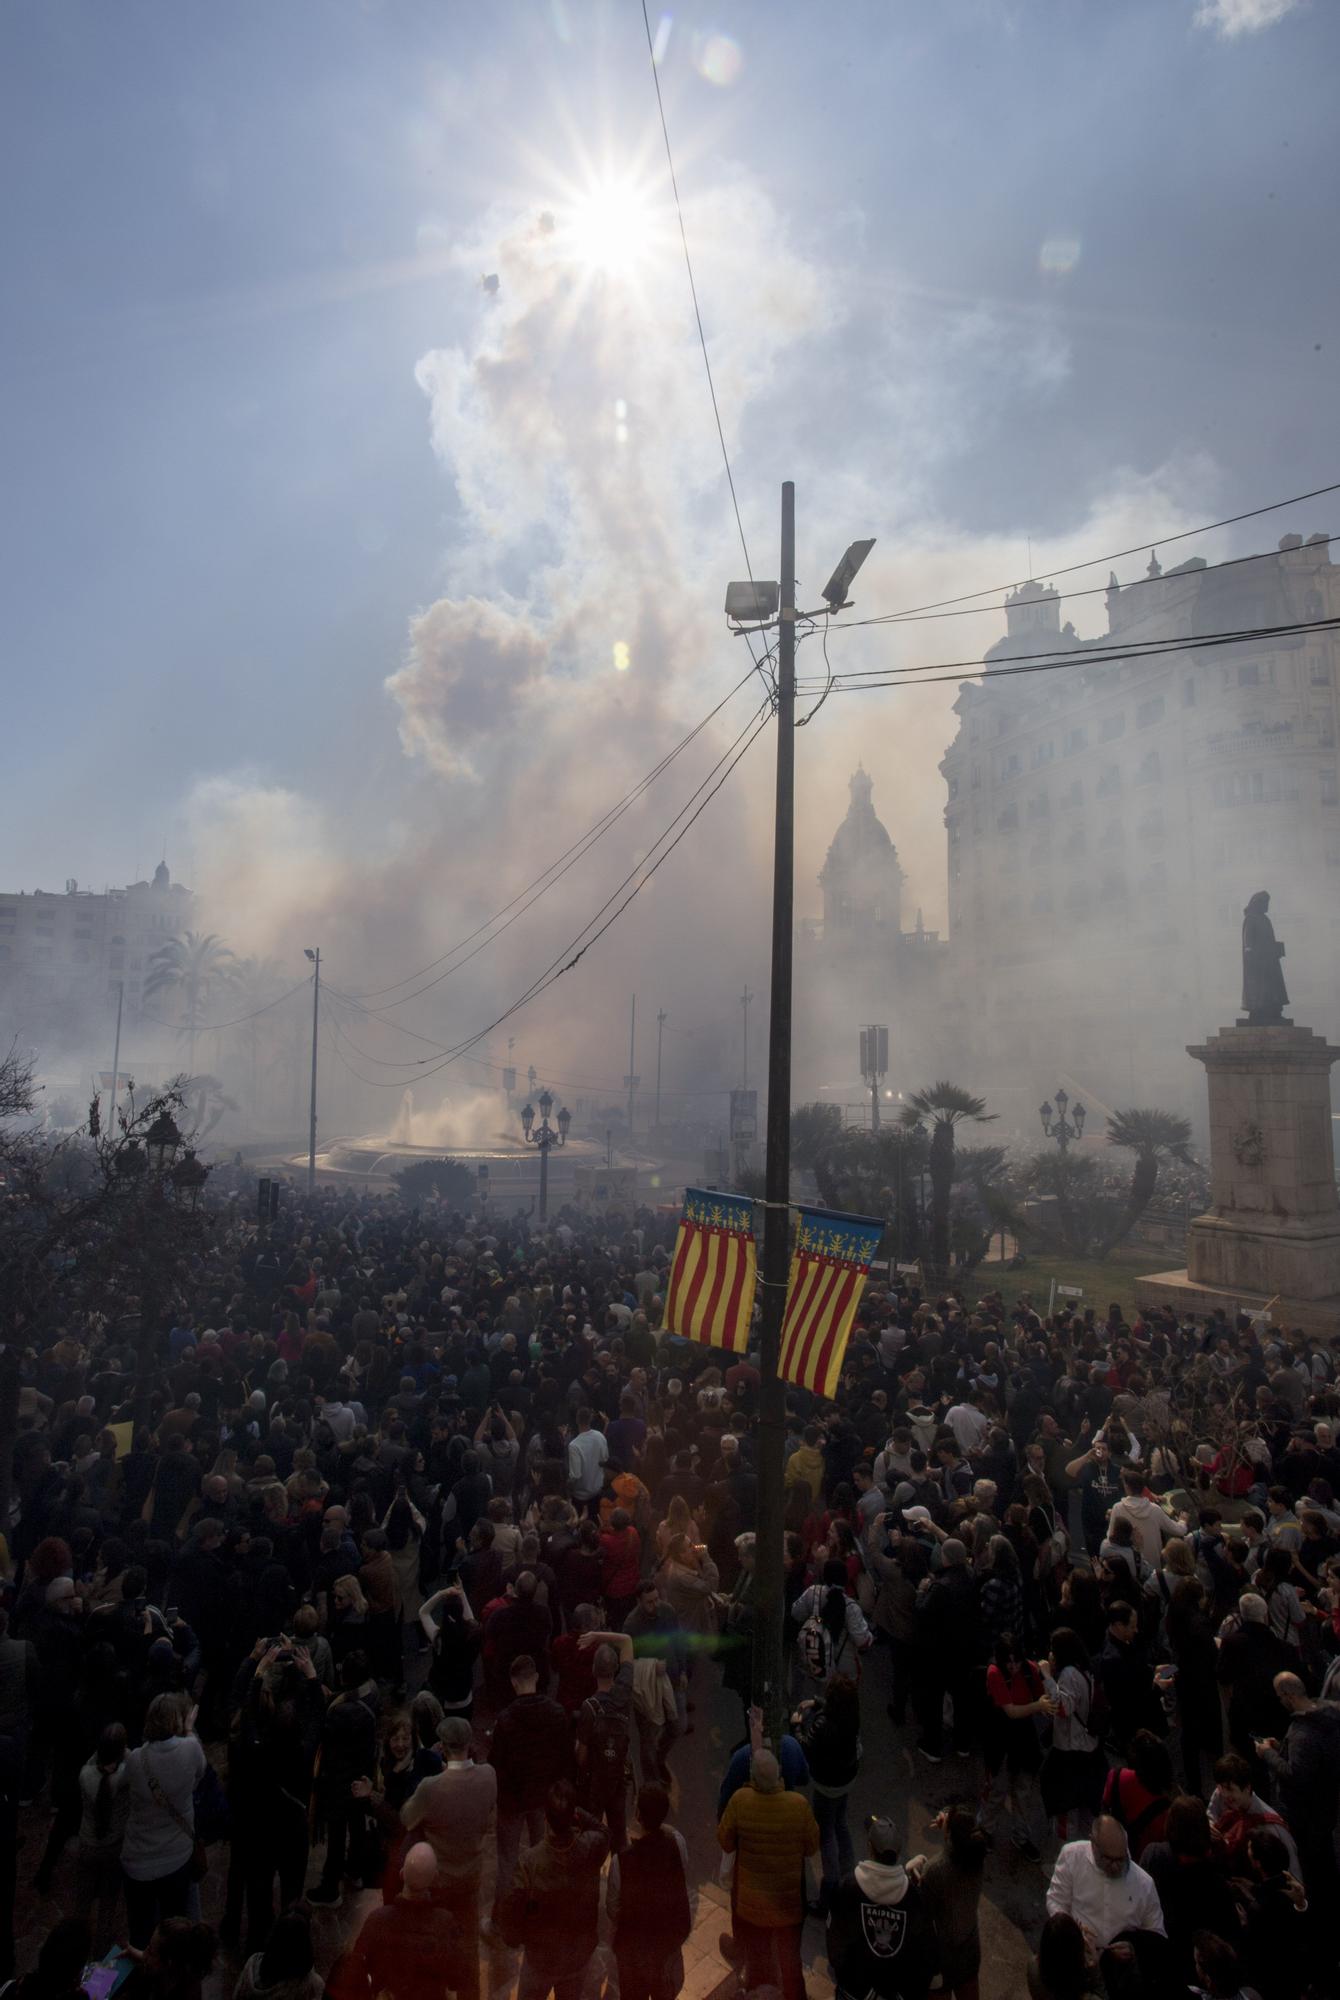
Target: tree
{"x": 815, "y": 1130}
{"x": 192, "y": 970}
{"x": 1152, "y": 1136}
{"x": 86, "y": 1227}
{"x": 1082, "y": 1214}
{"x": 947, "y": 1106}
{"x": 208, "y": 1100}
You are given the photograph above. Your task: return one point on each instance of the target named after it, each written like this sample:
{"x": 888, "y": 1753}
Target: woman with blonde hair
{"x": 678, "y": 1521}
{"x": 348, "y": 1618}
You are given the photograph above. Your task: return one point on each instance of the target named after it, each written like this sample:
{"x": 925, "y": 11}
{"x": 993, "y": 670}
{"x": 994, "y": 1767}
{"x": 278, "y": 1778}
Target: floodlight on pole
{"x": 840, "y": 582}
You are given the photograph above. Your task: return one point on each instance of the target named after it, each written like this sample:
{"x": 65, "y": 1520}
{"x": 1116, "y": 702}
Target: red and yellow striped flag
{"x": 828, "y": 1272}
{"x": 710, "y": 1297}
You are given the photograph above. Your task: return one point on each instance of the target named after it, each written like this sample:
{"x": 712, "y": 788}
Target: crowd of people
{"x": 357, "y": 1619}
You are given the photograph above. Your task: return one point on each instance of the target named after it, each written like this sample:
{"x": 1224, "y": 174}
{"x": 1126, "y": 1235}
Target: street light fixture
{"x": 189, "y": 1177}
{"x": 161, "y": 1141}
{"x": 545, "y": 1139}
{"x": 1055, "y": 1124}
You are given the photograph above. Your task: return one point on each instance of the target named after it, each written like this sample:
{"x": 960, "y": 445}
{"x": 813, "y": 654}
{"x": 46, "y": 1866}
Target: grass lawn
{"x": 1103, "y": 1280}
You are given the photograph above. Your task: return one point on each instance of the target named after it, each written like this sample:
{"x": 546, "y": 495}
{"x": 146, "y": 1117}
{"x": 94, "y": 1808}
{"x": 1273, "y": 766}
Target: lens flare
{"x": 1058, "y": 256}
{"x": 623, "y": 659}
{"x": 718, "y": 60}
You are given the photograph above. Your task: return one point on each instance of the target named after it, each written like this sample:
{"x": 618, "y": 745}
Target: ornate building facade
{"x": 1107, "y": 822}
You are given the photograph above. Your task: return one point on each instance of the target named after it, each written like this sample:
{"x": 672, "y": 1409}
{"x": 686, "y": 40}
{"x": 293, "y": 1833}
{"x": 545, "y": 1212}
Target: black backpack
{"x": 605, "y": 1732}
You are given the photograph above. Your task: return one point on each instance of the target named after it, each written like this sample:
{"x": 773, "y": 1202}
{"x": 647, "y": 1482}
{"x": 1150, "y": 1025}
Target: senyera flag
{"x": 829, "y": 1264}
{"x": 711, "y": 1293}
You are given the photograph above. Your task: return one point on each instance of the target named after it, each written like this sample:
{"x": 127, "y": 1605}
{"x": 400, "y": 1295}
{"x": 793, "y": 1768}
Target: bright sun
{"x": 610, "y": 226}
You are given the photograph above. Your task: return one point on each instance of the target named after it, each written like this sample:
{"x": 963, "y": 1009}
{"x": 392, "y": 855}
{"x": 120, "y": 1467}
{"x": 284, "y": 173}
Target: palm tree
{"x": 207, "y": 1095}
{"x": 192, "y": 969}
{"x": 1152, "y": 1136}
{"x": 947, "y": 1106}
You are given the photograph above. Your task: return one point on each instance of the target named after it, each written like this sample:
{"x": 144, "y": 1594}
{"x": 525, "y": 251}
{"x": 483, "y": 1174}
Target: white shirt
{"x": 1105, "y": 1905}
{"x": 969, "y": 1427}
{"x": 1151, "y": 1526}
{"x": 587, "y": 1454}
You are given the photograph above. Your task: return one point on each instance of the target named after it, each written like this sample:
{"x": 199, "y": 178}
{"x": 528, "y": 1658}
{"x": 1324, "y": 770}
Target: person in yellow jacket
{"x": 774, "y": 1838}
{"x": 805, "y": 1467}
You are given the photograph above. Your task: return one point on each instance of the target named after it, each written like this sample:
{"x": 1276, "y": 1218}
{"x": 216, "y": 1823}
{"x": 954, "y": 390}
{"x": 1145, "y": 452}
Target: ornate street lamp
{"x": 161, "y": 1142}
{"x": 189, "y": 1177}
{"x": 1055, "y": 1124}
{"x": 544, "y": 1140}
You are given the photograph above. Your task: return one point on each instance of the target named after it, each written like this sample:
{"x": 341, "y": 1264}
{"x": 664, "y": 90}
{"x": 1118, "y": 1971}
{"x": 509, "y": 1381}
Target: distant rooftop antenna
{"x": 1030, "y": 558}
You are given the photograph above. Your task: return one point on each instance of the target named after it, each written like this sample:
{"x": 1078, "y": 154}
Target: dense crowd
{"x": 388, "y": 1577}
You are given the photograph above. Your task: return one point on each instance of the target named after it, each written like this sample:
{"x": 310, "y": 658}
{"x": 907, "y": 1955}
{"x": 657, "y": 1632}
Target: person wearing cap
{"x": 881, "y": 1936}
{"x": 456, "y": 1814}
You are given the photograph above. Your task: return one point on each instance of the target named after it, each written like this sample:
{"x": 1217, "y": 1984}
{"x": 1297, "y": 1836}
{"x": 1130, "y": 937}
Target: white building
{"x": 63, "y": 955}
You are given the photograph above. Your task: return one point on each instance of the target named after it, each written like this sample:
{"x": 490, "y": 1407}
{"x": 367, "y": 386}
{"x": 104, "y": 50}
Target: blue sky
{"x": 1059, "y": 268}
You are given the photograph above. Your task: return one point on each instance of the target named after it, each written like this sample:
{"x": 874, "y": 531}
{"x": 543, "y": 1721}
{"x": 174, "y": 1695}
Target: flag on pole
{"x": 828, "y": 1272}
{"x": 710, "y": 1297}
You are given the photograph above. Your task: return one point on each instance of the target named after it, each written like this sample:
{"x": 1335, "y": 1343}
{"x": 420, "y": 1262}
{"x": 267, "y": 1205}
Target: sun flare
{"x": 610, "y": 226}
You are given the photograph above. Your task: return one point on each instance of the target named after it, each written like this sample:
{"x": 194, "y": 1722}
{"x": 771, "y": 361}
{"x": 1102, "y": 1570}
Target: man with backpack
{"x": 604, "y": 1732}
{"x": 650, "y": 1903}
{"x": 881, "y": 1937}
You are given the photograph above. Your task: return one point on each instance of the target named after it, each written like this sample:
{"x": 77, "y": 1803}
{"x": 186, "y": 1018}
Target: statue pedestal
{"x": 1273, "y": 1227}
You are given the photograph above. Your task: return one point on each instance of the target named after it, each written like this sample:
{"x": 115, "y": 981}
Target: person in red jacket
{"x": 621, "y": 1566}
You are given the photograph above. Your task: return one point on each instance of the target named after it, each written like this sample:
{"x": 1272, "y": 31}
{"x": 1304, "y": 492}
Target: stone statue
{"x": 1263, "y": 996}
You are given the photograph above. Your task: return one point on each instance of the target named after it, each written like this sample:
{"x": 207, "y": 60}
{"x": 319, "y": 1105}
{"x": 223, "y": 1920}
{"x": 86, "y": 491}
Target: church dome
{"x": 862, "y": 836}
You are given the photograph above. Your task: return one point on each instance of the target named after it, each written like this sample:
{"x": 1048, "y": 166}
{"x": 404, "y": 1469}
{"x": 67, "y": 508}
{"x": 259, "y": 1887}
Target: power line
{"x": 1047, "y": 663}
{"x": 545, "y": 880}
{"x": 1101, "y": 649}
{"x": 208, "y": 1027}
{"x": 640, "y": 875}
{"x": 702, "y": 337}
{"x": 378, "y": 1014}
{"x": 1094, "y": 590}
{"x": 1117, "y": 555}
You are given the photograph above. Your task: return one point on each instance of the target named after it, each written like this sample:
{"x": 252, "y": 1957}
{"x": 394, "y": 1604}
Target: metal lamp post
{"x": 545, "y": 1139}
{"x": 1055, "y": 1124}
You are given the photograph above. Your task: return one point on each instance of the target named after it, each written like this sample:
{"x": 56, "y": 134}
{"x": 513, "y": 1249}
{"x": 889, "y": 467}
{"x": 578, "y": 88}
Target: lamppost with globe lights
{"x": 545, "y": 1139}
{"x": 1055, "y": 1124}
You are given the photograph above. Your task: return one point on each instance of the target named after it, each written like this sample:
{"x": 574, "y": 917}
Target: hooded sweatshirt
{"x": 881, "y": 1938}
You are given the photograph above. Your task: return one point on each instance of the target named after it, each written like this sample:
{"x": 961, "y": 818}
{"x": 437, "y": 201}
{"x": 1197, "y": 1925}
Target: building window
{"x": 1109, "y": 782}
{"x": 1249, "y": 674}
{"x": 1040, "y": 807}
{"x": 953, "y": 788}
{"x": 1188, "y": 693}
{"x": 1328, "y": 785}
{"x": 1074, "y": 798}
{"x": 1150, "y": 771}
{"x": 1114, "y": 834}
{"x": 1111, "y": 727}
{"x": 1042, "y": 903}
{"x": 1008, "y": 821}
{"x": 1076, "y": 739}
{"x": 1321, "y": 673}
{"x": 1149, "y": 712}
{"x": 1076, "y": 844}
{"x": 1043, "y": 752}
{"x": 1012, "y": 766}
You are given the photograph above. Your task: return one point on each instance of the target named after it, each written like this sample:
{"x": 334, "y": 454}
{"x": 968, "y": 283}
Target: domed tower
{"x": 861, "y": 879}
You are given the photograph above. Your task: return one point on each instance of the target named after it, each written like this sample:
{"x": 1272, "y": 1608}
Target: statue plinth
{"x": 1273, "y": 1227}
